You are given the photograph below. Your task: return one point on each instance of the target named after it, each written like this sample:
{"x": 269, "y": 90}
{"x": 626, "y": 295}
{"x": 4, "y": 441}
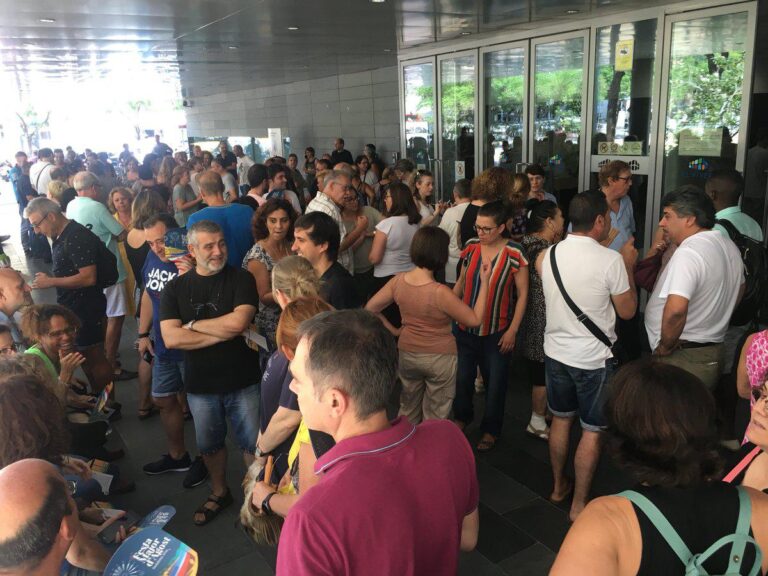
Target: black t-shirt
{"x": 274, "y": 394}
{"x": 226, "y": 366}
{"x": 338, "y": 289}
{"x": 248, "y": 201}
{"x": 226, "y": 161}
{"x": 75, "y": 248}
{"x": 466, "y": 226}
{"x": 342, "y": 156}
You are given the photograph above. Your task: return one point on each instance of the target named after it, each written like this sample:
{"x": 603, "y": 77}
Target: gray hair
{"x": 352, "y": 351}
{"x": 334, "y": 175}
{"x": 208, "y": 226}
{"x": 85, "y": 180}
{"x": 43, "y": 206}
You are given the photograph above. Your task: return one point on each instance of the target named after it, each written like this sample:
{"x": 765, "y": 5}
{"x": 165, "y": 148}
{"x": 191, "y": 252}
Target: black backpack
{"x": 755, "y": 259}
{"x": 106, "y": 267}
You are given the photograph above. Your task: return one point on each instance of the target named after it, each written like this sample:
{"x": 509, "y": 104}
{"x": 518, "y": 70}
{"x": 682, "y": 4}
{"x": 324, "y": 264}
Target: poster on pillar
{"x": 275, "y": 136}
{"x": 625, "y": 50}
{"x": 460, "y": 169}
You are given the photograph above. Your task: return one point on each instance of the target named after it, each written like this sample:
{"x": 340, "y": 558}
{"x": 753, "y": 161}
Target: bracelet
{"x": 143, "y": 335}
{"x": 265, "y": 504}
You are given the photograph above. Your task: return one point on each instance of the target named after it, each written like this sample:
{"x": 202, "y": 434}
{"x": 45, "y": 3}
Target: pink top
{"x": 426, "y": 328}
{"x": 757, "y": 360}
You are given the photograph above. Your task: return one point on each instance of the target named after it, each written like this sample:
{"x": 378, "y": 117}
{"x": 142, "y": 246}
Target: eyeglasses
{"x": 347, "y": 187}
{"x": 759, "y": 393}
{"x": 71, "y": 487}
{"x": 484, "y": 229}
{"x": 9, "y": 349}
{"x": 625, "y": 178}
{"x": 70, "y": 331}
{"x": 41, "y": 221}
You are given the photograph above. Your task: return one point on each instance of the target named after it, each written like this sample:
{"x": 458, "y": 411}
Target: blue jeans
{"x": 211, "y": 411}
{"x": 482, "y": 351}
{"x": 572, "y": 391}
{"x": 167, "y": 377}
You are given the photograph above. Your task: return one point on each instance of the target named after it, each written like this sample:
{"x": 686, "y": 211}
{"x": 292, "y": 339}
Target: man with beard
{"x": 204, "y": 313}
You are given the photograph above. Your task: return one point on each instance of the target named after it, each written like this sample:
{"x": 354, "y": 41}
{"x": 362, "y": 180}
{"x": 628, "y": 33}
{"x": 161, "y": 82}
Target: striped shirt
{"x": 499, "y": 307}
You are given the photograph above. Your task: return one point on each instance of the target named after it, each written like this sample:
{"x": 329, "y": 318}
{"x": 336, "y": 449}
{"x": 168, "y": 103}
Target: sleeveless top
{"x": 701, "y": 515}
{"x": 426, "y": 329}
{"x": 757, "y": 360}
{"x": 136, "y": 258}
{"x": 531, "y": 334}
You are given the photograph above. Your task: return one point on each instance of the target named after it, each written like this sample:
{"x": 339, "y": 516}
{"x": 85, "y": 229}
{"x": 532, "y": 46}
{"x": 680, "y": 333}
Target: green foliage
{"x": 705, "y": 91}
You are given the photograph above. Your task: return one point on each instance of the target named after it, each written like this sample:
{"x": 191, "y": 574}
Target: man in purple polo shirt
{"x": 393, "y": 498}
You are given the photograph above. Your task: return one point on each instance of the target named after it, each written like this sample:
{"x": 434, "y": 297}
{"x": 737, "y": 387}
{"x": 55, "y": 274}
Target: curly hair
{"x": 32, "y": 421}
{"x": 494, "y": 183}
{"x": 661, "y": 425}
{"x": 36, "y": 320}
{"x": 33, "y": 365}
{"x": 259, "y": 220}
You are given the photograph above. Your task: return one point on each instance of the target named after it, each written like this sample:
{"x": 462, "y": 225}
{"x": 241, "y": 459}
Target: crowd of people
{"x": 341, "y": 323}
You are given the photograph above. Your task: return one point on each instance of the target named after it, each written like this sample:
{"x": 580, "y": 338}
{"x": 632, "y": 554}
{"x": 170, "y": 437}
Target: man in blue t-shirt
{"x": 234, "y": 219}
{"x": 167, "y": 365}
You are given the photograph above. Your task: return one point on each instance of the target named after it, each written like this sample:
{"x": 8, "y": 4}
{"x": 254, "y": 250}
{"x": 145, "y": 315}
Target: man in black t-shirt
{"x": 75, "y": 253}
{"x": 316, "y": 238}
{"x": 227, "y": 159}
{"x": 204, "y": 313}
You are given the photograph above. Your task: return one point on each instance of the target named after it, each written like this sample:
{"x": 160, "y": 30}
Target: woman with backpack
{"x": 662, "y": 430}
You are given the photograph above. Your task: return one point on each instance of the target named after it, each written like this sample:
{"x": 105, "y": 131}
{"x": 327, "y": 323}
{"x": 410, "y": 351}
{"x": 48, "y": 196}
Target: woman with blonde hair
{"x": 283, "y": 434}
{"x": 293, "y": 277}
{"x": 165, "y": 172}
{"x": 517, "y": 198}
{"x": 119, "y": 203}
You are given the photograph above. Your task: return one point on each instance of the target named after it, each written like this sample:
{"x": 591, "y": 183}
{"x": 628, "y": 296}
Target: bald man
{"x": 14, "y": 294}
{"x": 39, "y": 526}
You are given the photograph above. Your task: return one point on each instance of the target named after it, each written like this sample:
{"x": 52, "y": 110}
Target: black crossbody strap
{"x": 580, "y": 316}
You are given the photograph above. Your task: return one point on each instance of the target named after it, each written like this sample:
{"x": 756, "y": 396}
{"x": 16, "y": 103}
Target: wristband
{"x": 265, "y": 504}
{"x": 144, "y": 335}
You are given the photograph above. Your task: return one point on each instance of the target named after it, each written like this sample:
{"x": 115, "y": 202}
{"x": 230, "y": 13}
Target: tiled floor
{"x": 520, "y": 531}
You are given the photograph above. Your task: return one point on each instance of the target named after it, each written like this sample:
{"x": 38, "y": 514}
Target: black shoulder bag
{"x": 580, "y": 316}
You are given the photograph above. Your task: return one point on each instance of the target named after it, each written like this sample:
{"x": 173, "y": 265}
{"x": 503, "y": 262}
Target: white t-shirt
{"x": 40, "y": 176}
{"x": 230, "y": 186}
{"x": 707, "y": 270}
{"x": 450, "y": 223}
{"x": 591, "y": 274}
{"x": 397, "y": 255}
{"x": 426, "y": 211}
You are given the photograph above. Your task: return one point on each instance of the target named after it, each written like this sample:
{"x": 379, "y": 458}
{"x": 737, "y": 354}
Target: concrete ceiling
{"x": 221, "y": 45}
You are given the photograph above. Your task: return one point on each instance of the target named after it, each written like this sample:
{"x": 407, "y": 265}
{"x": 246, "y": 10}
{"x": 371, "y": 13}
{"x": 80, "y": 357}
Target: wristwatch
{"x": 265, "y": 504}
{"x": 258, "y": 452}
{"x": 189, "y": 325}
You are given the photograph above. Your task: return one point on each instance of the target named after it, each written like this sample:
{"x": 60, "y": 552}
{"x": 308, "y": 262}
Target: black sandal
{"x": 208, "y": 513}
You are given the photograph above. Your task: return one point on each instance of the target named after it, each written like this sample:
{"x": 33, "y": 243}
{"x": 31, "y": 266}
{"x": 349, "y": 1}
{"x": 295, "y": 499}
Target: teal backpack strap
{"x": 661, "y": 523}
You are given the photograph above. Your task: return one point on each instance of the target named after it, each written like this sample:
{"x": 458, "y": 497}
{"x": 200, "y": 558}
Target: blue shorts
{"x": 572, "y": 391}
{"x": 211, "y": 411}
{"x": 167, "y": 377}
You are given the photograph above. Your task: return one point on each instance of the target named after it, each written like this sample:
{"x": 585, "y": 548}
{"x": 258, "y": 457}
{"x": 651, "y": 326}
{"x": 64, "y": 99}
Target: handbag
{"x": 580, "y": 316}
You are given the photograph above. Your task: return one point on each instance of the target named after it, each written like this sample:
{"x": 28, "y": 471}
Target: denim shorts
{"x": 572, "y": 391}
{"x": 211, "y": 411}
{"x": 167, "y": 377}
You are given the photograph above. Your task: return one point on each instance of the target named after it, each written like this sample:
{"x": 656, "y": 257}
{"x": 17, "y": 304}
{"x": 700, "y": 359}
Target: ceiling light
{"x": 571, "y": 12}
{"x": 387, "y": 49}
{"x": 233, "y": 47}
{"x": 293, "y": 28}
{"x": 47, "y": 20}
{"x": 378, "y": 1}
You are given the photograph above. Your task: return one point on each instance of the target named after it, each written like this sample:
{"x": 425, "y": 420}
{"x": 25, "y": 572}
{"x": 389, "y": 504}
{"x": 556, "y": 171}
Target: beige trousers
{"x": 705, "y": 363}
{"x": 429, "y": 385}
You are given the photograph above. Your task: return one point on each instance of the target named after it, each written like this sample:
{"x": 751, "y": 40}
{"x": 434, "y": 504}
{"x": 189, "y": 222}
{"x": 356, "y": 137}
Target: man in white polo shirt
{"x": 578, "y": 365}
{"x": 688, "y": 312}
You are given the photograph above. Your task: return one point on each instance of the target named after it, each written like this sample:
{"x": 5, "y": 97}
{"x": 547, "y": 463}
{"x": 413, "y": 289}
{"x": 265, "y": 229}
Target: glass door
{"x": 457, "y": 120}
{"x": 557, "y": 114}
{"x": 504, "y": 98}
{"x": 623, "y": 109}
{"x": 419, "y": 112}
{"x": 708, "y": 57}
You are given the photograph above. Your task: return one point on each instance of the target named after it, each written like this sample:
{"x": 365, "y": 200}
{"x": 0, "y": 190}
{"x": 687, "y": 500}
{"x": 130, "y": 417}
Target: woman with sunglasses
{"x": 749, "y": 466}
{"x": 489, "y": 345}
